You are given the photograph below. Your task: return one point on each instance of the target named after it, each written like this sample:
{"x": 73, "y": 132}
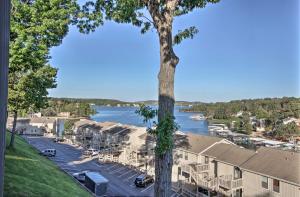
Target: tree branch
{"x": 145, "y": 17}
{"x": 186, "y": 33}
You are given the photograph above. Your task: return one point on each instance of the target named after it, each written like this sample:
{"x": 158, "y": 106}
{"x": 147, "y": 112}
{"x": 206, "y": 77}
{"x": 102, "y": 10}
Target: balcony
{"x": 195, "y": 168}
{"x": 237, "y": 183}
{"x": 229, "y": 183}
{"x": 195, "y": 171}
{"x": 209, "y": 182}
{"x": 224, "y": 192}
{"x": 202, "y": 167}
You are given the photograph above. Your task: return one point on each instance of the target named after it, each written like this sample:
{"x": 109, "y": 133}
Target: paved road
{"x": 69, "y": 158}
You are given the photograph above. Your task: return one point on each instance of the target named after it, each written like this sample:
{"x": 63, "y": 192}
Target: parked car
{"x": 143, "y": 180}
{"x": 80, "y": 176}
{"x": 49, "y": 152}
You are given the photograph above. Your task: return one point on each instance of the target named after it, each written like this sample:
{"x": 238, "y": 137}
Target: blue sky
{"x": 244, "y": 49}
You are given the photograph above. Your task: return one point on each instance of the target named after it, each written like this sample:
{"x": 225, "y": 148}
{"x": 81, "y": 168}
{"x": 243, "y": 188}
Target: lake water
{"x": 127, "y": 115}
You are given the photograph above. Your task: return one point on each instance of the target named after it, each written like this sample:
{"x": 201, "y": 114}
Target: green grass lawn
{"x": 29, "y": 174}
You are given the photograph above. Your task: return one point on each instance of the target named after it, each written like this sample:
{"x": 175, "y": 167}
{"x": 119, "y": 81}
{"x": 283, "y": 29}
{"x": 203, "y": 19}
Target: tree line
{"x": 272, "y": 110}
{"x": 75, "y": 107}
{"x": 112, "y": 102}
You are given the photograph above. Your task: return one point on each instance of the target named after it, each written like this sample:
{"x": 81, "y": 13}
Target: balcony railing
{"x": 229, "y": 183}
{"x": 202, "y": 167}
{"x": 224, "y": 192}
{"x": 209, "y": 183}
{"x": 237, "y": 183}
{"x": 197, "y": 168}
{"x": 185, "y": 168}
{"x": 225, "y": 183}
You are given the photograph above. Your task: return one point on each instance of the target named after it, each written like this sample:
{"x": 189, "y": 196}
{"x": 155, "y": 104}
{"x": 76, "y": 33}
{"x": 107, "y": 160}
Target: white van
{"x": 49, "y": 152}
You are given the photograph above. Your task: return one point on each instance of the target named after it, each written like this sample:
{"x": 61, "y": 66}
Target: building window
{"x": 276, "y": 185}
{"x": 215, "y": 168}
{"x": 238, "y": 193}
{"x": 264, "y": 182}
{"x": 206, "y": 160}
{"x": 237, "y": 173}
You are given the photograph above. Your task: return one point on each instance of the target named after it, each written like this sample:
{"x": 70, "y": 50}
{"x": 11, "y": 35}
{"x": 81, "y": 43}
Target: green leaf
{"x": 182, "y": 35}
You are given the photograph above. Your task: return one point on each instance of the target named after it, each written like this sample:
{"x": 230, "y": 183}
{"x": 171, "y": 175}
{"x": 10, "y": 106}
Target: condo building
{"x": 203, "y": 165}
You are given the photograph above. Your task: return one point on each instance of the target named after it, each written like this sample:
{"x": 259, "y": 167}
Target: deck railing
{"x": 196, "y": 168}
{"x": 226, "y": 182}
{"x": 195, "y": 171}
{"x": 202, "y": 167}
{"x": 226, "y": 193}
{"x": 185, "y": 168}
{"x": 237, "y": 183}
{"x": 209, "y": 183}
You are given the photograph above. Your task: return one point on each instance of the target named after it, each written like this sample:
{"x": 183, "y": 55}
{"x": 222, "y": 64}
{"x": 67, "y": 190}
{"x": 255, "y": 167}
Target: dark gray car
{"x": 143, "y": 180}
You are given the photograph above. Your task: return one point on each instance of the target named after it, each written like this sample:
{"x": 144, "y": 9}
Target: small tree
{"x": 36, "y": 26}
{"x": 245, "y": 124}
{"x": 158, "y": 15}
{"x": 30, "y": 93}
{"x": 286, "y": 130}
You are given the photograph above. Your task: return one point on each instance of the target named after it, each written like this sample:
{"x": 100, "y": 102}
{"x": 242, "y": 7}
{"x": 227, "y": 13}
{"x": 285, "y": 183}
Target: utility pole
{"x": 4, "y": 40}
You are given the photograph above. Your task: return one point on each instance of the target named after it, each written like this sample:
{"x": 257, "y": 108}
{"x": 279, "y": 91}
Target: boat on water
{"x": 218, "y": 127}
{"x": 197, "y": 117}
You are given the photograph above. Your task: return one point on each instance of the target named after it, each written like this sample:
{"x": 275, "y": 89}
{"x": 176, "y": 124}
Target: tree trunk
{"x": 4, "y": 40}
{"x": 168, "y": 62}
{"x": 13, "y": 131}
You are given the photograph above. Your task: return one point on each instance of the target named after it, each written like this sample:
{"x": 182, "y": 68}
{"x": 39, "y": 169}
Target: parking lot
{"x": 127, "y": 175}
{"x": 69, "y": 158}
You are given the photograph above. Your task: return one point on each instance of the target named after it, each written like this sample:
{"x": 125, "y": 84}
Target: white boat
{"x": 197, "y": 117}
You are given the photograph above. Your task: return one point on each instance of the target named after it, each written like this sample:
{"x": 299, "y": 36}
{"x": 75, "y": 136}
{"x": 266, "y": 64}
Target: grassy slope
{"x": 29, "y": 174}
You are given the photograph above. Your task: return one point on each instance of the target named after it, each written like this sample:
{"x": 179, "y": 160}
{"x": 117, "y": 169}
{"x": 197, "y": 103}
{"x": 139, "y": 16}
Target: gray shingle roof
{"x": 196, "y": 143}
{"x": 44, "y": 120}
{"x": 277, "y": 163}
{"x": 83, "y": 122}
{"x": 117, "y": 130}
{"x": 229, "y": 153}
